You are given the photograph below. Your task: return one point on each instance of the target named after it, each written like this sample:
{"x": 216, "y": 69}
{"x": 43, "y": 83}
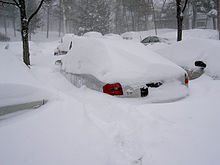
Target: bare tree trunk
{"x": 117, "y": 12}
{"x": 214, "y": 23}
{"x": 5, "y": 26}
{"x": 48, "y": 20}
{"x": 218, "y": 3}
{"x": 133, "y": 21}
{"x": 24, "y": 32}
{"x": 125, "y": 23}
{"x": 160, "y": 18}
{"x": 60, "y": 17}
{"x": 145, "y": 20}
{"x": 154, "y": 17}
{"x": 179, "y": 20}
{"x": 179, "y": 17}
{"x": 64, "y": 18}
{"x": 194, "y": 16}
{"x": 14, "y": 27}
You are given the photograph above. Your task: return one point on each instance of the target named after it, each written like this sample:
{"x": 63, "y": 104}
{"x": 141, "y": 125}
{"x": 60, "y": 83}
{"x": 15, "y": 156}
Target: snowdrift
{"x": 17, "y": 85}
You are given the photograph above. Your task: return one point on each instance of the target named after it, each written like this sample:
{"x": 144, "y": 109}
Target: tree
{"x": 94, "y": 15}
{"x": 180, "y": 11}
{"x": 36, "y": 22}
{"x": 8, "y": 13}
{"x": 25, "y": 22}
{"x": 48, "y": 7}
{"x": 194, "y": 4}
{"x": 218, "y": 17}
{"x": 58, "y": 13}
{"x": 209, "y": 7}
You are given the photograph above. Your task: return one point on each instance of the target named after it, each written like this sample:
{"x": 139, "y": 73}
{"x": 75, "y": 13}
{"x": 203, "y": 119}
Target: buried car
{"x": 150, "y": 39}
{"x": 123, "y": 68}
{"x": 195, "y": 55}
{"x": 65, "y": 45}
{"x": 19, "y": 89}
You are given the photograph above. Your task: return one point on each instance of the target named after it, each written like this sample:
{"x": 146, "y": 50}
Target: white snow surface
{"x": 65, "y": 42}
{"x": 113, "y": 36}
{"x": 17, "y": 84}
{"x": 93, "y": 34}
{"x": 118, "y": 61}
{"x": 81, "y": 126}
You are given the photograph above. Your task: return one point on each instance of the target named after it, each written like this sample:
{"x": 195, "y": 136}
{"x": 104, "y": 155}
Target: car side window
{"x": 146, "y": 40}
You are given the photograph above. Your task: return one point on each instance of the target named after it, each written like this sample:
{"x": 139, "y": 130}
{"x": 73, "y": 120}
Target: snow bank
{"x": 186, "y": 52}
{"x": 17, "y": 85}
{"x": 113, "y": 36}
{"x": 118, "y": 61}
{"x": 93, "y": 34}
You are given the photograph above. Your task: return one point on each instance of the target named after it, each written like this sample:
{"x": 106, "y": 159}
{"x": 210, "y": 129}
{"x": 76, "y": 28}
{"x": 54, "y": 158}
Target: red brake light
{"x": 186, "y": 79}
{"x": 113, "y": 89}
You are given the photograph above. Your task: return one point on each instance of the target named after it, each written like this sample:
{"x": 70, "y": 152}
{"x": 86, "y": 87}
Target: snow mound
{"x": 17, "y": 85}
{"x": 65, "y": 42}
{"x": 186, "y": 52}
{"x": 113, "y": 36}
{"x": 93, "y": 34}
{"x": 12, "y": 94}
{"x": 117, "y": 60}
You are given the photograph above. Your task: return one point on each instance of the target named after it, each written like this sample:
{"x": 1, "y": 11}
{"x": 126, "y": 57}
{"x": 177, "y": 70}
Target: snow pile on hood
{"x": 118, "y": 61}
{"x": 93, "y": 34}
{"x": 186, "y": 52}
{"x": 17, "y": 85}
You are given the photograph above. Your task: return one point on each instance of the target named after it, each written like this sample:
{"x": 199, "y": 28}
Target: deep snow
{"x": 81, "y": 126}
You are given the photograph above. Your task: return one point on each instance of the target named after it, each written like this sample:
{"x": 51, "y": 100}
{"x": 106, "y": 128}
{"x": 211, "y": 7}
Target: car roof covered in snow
{"x": 113, "y": 36}
{"x": 93, "y": 34}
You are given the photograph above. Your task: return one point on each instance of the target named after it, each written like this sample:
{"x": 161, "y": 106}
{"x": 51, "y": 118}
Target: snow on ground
{"x": 17, "y": 84}
{"x": 81, "y": 126}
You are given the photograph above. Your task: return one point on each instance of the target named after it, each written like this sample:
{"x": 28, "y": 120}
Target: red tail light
{"x": 113, "y": 89}
{"x": 186, "y": 79}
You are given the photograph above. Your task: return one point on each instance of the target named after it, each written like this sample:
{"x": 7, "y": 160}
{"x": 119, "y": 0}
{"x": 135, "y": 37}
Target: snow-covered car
{"x": 195, "y": 55}
{"x": 65, "y": 45}
{"x": 113, "y": 36}
{"x": 19, "y": 90}
{"x": 123, "y": 68}
{"x": 150, "y": 39}
{"x": 93, "y": 34}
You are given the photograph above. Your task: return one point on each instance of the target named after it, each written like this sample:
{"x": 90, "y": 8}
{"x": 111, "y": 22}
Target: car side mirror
{"x": 200, "y": 64}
